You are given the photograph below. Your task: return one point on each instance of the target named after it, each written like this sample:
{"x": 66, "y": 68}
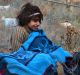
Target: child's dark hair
{"x": 27, "y": 12}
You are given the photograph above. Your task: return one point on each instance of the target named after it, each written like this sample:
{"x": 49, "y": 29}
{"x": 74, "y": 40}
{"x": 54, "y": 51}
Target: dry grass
{"x": 60, "y": 69}
{"x": 72, "y": 40}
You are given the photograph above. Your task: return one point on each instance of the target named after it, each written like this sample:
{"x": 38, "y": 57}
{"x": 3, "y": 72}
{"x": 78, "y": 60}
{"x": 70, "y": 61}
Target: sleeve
{"x": 19, "y": 35}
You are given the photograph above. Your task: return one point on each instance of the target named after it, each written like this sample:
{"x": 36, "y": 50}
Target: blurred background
{"x": 61, "y": 21}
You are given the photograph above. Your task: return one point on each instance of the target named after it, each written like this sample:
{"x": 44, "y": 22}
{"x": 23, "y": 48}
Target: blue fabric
{"x": 60, "y": 55}
{"x": 34, "y": 56}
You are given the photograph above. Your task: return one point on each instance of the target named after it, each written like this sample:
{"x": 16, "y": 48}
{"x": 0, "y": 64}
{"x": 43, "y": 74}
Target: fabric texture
{"x": 19, "y": 35}
{"x": 34, "y": 56}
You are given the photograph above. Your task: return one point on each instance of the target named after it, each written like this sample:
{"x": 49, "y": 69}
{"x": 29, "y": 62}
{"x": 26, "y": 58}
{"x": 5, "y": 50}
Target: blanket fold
{"x": 34, "y": 56}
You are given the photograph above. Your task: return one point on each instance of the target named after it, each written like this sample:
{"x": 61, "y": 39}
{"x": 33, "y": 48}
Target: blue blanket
{"x": 34, "y": 56}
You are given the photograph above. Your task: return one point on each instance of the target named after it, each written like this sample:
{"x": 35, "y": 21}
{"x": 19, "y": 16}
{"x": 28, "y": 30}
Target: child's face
{"x": 34, "y": 24}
